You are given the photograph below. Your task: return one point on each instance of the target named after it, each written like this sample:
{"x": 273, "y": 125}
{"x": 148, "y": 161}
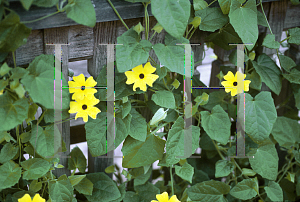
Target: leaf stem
{"x": 189, "y": 31}
{"x": 221, "y": 155}
{"x": 286, "y": 169}
{"x": 285, "y": 39}
{"x": 14, "y": 58}
{"x": 26, "y": 22}
{"x": 117, "y": 14}
{"x": 212, "y": 3}
{"x": 41, "y": 117}
{"x": 152, "y": 35}
{"x": 165, "y": 84}
{"x": 192, "y": 33}
{"x": 171, "y": 180}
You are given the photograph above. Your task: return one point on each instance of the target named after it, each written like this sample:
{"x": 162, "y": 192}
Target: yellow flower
{"x": 27, "y": 198}
{"x": 1, "y": 91}
{"x": 164, "y": 197}
{"x": 141, "y": 76}
{"x": 232, "y": 81}
{"x": 80, "y": 87}
{"x": 85, "y": 107}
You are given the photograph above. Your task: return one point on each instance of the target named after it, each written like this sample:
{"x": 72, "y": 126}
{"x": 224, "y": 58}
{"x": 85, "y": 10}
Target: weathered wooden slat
{"x": 104, "y": 13}
{"x": 60, "y": 36}
{"x": 77, "y": 134}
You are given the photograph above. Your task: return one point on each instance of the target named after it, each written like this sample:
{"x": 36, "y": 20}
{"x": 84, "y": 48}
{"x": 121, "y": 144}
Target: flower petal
{"x": 174, "y": 199}
{"x": 148, "y": 69}
{"x": 131, "y": 77}
{"x": 90, "y": 90}
{"x": 38, "y": 198}
{"x": 138, "y": 69}
{"x": 150, "y": 78}
{"x": 162, "y": 197}
{"x": 79, "y": 79}
{"x": 93, "y": 112}
{"x": 233, "y": 91}
{"x": 25, "y": 198}
{"x": 74, "y": 107}
{"x": 227, "y": 83}
{"x": 78, "y": 95}
{"x": 90, "y": 82}
{"x": 85, "y": 118}
{"x": 229, "y": 76}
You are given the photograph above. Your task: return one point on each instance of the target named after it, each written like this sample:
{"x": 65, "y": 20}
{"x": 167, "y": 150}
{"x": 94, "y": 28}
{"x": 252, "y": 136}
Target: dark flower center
{"x": 235, "y": 83}
{"x": 82, "y": 87}
{"x": 141, "y": 76}
{"x": 84, "y": 107}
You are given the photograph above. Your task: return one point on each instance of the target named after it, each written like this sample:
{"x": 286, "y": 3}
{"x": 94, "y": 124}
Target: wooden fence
{"x": 84, "y": 45}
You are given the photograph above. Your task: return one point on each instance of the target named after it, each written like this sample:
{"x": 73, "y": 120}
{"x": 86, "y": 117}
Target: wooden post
{"x": 60, "y": 36}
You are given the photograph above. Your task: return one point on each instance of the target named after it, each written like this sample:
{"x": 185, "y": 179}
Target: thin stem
{"x": 212, "y": 3}
{"x": 265, "y": 16}
{"x": 139, "y": 101}
{"x": 117, "y": 14}
{"x": 171, "y": 180}
{"x": 288, "y": 167}
{"x": 14, "y": 58}
{"x": 73, "y": 173}
{"x": 152, "y": 90}
{"x": 189, "y": 31}
{"x": 42, "y": 116}
{"x": 285, "y": 39}
{"x": 165, "y": 84}
{"x": 221, "y": 155}
{"x": 250, "y": 70}
{"x": 26, "y": 22}
{"x": 152, "y": 35}
{"x": 159, "y": 127}
{"x": 199, "y": 120}
{"x": 152, "y": 60}
{"x": 19, "y": 142}
{"x": 192, "y": 33}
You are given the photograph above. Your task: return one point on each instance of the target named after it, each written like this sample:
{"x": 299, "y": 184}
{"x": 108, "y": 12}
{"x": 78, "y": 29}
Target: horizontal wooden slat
{"x": 104, "y": 13}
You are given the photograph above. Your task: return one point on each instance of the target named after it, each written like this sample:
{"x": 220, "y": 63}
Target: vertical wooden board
{"x": 33, "y": 48}
{"x": 292, "y": 18}
{"x": 276, "y": 19}
{"x": 81, "y": 40}
{"x": 60, "y": 36}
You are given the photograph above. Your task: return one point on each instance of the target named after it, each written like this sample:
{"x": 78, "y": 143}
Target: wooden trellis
{"x": 84, "y": 45}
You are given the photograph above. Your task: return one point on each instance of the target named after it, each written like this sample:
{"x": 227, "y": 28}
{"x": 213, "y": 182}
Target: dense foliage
{"x": 214, "y": 176}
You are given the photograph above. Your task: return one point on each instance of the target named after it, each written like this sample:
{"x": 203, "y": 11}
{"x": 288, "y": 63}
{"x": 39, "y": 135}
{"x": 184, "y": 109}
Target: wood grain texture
{"x": 104, "y": 13}
{"x": 60, "y": 36}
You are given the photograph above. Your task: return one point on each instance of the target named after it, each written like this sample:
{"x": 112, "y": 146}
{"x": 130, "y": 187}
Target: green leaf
{"x": 216, "y": 98}
{"x": 146, "y": 192}
{"x": 61, "y": 189}
{"x": 223, "y": 168}
{"x": 138, "y": 126}
{"x": 164, "y": 99}
{"x": 261, "y": 19}
{"x": 131, "y": 196}
{"x": 49, "y": 115}
{"x": 4, "y": 69}
{"x": 82, "y": 12}
{"x": 35, "y": 186}
{"x": 233, "y": 57}
{"x": 244, "y": 190}
{"x": 186, "y": 171}
{"x": 225, "y": 35}
{"x": 293, "y": 76}
{"x": 26, "y": 4}
{"x": 294, "y": 34}
{"x": 10, "y": 174}
{"x": 12, "y": 113}
{"x": 5, "y": 136}
{"x": 173, "y": 15}
{"x": 269, "y": 72}
{"x": 122, "y": 128}
{"x": 85, "y": 186}
{"x": 76, "y": 179}
{"x": 175, "y": 143}
{"x": 43, "y": 139}
{"x": 286, "y": 62}
{"x": 199, "y": 4}
{"x": 208, "y": 191}
{"x": 18, "y": 73}
{"x": 244, "y": 21}
{"x": 104, "y": 188}
{"x": 225, "y": 5}
{"x": 143, "y": 178}
{"x": 122, "y": 189}
{"x": 35, "y": 168}
{"x": 13, "y": 34}
{"x": 96, "y": 135}
{"x": 296, "y": 91}
{"x": 8, "y": 152}
{"x": 206, "y": 142}
{"x": 45, "y": 3}
{"x": 211, "y": 19}
{"x": 135, "y": 150}
{"x": 126, "y": 108}
{"x": 170, "y": 54}
{"x": 248, "y": 172}
{"x": 255, "y": 80}
{"x": 210, "y": 122}
{"x": 260, "y": 116}
{"x": 40, "y": 80}
{"x": 265, "y": 161}
{"x": 134, "y": 1}
{"x": 110, "y": 169}
{"x": 269, "y": 41}
{"x": 132, "y": 53}
{"x": 139, "y": 28}
{"x": 286, "y": 131}
{"x": 77, "y": 160}
{"x": 161, "y": 71}
{"x": 274, "y": 191}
